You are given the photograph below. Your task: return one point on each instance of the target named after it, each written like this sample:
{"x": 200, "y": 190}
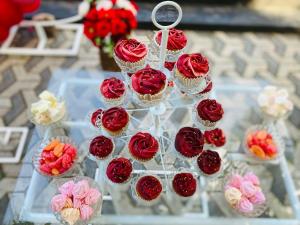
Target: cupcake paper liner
{"x": 114, "y": 101}
{"x": 117, "y": 133}
{"x": 130, "y": 67}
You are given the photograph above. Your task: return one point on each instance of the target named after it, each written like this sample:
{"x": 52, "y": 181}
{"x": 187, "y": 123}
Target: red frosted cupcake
{"x": 184, "y": 184}
{"x": 119, "y": 170}
{"x": 209, "y": 162}
{"x": 191, "y": 71}
{"x": 149, "y": 85}
{"x": 189, "y": 142}
{"x": 96, "y": 118}
{"x": 148, "y": 188}
{"x": 215, "y": 137}
{"x": 209, "y": 112}
{"x": 113, "y": 91}
{"x": 143, "y": 146}
{"x": 101, "y": 147}
{"x": 115, "y": 120}
{"x": 130, "y": 55}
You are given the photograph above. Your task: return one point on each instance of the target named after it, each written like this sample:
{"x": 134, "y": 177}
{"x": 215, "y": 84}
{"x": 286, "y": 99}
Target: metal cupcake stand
{"x": 209, "y": 206}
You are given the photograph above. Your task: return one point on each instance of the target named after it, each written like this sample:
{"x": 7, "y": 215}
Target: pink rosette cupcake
{"x": 113, "y": 91}
{"x": 130, "y": 55}
{"x": 76, "y": 201}
{"x": 190, "y": 73}
{"x": 243, "y": 193}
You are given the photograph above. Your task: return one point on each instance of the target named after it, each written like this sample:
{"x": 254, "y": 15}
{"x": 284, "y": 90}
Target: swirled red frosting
{"x": 119, "y": 170}
{"x": 112, "y": 88}
{"x": 130, "y": 50}
{"x": 184, "y": 184}
{"x": 209, "y": 162}
{"x": 101, "y": 146}
{"x": 176, "y": 40}
{"x": 192, "y": 65}
{"x": 215, "y": 137}
{"x": 210, "y": 109}
{"x": 148, "y": 188}
{"x": 143, "y": 146}
{"x": 96, "y": 116}
{"x": 114, "y": 119}
{"x": 189, "y": 141}
{"x": 148, "y": 81}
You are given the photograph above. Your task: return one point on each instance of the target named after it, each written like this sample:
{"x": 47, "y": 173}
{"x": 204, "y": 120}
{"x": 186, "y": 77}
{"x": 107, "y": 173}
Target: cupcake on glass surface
{"x": 115, "y": 121}
{"x": 95, "y": 118}
{"x": 209, "y": 112}
{"x": 184, "y": 184}
{"x": 149, "y": 85}
{"x": 119, "y": 171}
{"x": 209, "y": 163}
{"x": 190, "y": 72}
{"x": 147, "y": 189}
{"x": 143, "y": 146}
{"x": 48, "y": 110}
{"x": 244, "y": 194}
{"x": 77, "y": 201}
{"x": 130, "y": 55}
{"x": 101, "y": 147}
{"x": 215, "y": 137}
{"x": 189, "y": 142}
{"x": 113, "y": 91}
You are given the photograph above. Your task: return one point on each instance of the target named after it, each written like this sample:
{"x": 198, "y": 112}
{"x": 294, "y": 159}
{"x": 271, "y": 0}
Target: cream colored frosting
{"x": 70, "y": 215}
{"x": 48, "y": 109}
{"x": 233, "y": 196}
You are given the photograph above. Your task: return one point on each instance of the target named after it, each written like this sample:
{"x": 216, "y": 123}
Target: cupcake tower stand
{"x": 166, "y": 118}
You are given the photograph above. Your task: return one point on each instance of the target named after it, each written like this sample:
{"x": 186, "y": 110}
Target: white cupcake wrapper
{"x": 130, "y": 67}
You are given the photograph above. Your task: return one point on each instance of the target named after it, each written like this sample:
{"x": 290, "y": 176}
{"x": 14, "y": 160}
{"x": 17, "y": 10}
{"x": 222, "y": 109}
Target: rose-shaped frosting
{"x": 248, "y": 189}
{"x": 96, "y": 117}
{"x": 170, "y": 65}
{"x": 176, "y": 40}
{"x": 189, "y": 141}
{"x": 215, "y": 137}
{"x": 184, "y": 184}
{"x": 67, "y": 188}
{"x": 148, "y": 188}
{"x": 245, "y": 206}
{"x": 209, "y": 162}
{"x": 130, "y": 50}
{"x": 101, "y": 146}
{"x": 81, "y": 189}
{"x": 235, "y": 181}
{"x": 77, "y": 203}
{"x": 115, "y": 118}
{"x": 233, "y": 196}
{"x": 210, "y": 109}
{"x": 86, "y": 212}
{"x": 148, "y": 81}
{"x": 143, "y": 146}
{"x": 192, "y": 65}
{"x": 119, "y": 170}
{"x": 258, "y": 198}
{"x": 250, "y": 176}
{"x": 58, "y": 202}
{"x": 92, "y": 196}
{"x": 112, "y": 88}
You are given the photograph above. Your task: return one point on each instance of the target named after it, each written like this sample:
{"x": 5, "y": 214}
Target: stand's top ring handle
{"x": 157, "y": 7}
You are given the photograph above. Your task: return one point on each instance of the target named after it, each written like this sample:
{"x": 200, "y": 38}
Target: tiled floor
{"x": 271, "y": 56}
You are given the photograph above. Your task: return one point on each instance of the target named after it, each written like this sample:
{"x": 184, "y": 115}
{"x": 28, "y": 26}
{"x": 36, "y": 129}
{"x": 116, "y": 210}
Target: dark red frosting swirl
{"x": 148, "y": 187}
{"x": 215, "y": 137}
{"x": 114, "y": 119}
{"x": 176, "y": 40}
{"x": 208, "y": 88}
{"x": 189, "y": 141}
{"x": 130, "y": 50}
{"x": 119, "y": 170}
{"x": 192, "y": 65}
{"x": 143, "y": 146}
{"x": 101, "y": 146}
{"x": 96, "y": 116}
{"x": 112, "y": 88}
{"x": 209, "y": 162}
{"x": 148, "y": 81}
{"x": 210, "y": 109}
{"x": 184, "y": 184}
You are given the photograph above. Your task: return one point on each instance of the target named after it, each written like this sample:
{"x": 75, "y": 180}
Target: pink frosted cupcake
{"x": 113, "y": 91}
{"x": 130, "y": 55}
{"x": 190, "y": 72}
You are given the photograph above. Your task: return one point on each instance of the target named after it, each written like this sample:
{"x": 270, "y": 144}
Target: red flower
{"x": 215, "y": 137}
{"x": 118, "y": 27}
{"x": 92, "y": 15}
{"x": 103, "y": 27}
{"x": 89, "y": 30}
